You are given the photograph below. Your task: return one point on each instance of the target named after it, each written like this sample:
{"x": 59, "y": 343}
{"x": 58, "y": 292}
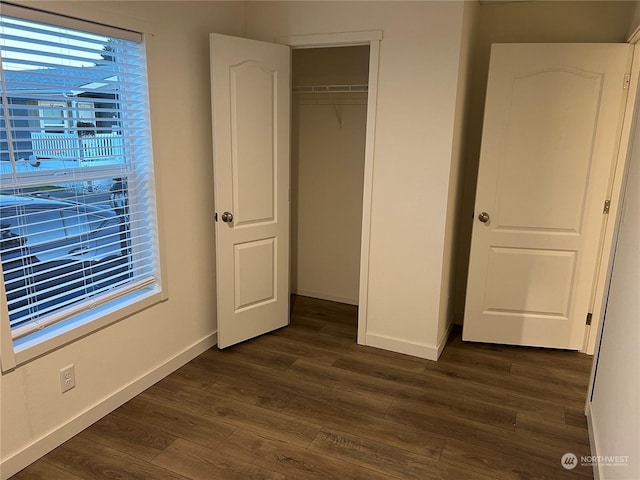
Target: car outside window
{"x": 42, "y": 226}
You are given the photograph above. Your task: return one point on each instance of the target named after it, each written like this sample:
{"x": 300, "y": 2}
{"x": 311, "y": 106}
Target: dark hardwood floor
{"x": 306, "y": 402}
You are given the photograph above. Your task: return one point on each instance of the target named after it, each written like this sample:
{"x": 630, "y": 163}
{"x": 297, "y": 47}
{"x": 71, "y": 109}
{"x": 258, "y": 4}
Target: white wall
{"x": 635, "y": 18}
{"x": 115, "y": 363}
{"x": 456, "y": 177}
{"x": 615, "y": 403}
{"x": 327, "y": 171}
{"x": 416, "y": 105}
{"x": 523, "y": 22}
{"x": 328, "y": 196}
{"x": 330, "y": 66}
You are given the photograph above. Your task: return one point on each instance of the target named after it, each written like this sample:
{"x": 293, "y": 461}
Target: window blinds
{"x": 76, "y": 191}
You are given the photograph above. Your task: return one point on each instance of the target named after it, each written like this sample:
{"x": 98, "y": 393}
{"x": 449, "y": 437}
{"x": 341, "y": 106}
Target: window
{"x": 77, "y": 209}
{"x": 85, "y": 110}
{"x": 52, "y": 116}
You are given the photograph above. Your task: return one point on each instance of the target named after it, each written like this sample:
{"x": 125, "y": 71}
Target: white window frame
{"x": 108, "y": 313}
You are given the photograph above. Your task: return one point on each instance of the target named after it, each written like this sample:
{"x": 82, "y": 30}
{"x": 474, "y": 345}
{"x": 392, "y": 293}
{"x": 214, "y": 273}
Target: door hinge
{"x": 589, "y": 315}
{"x": 607, "y": 206}
{"x": 626, "y": 81}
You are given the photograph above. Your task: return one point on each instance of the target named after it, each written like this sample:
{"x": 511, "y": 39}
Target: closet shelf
{"x": 330, "y": 88}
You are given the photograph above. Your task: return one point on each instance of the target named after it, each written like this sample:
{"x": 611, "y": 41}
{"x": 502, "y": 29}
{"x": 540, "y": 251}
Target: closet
{"x": 329, "y": 114}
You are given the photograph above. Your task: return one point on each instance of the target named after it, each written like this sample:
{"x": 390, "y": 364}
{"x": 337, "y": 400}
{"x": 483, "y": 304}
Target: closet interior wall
{"x": 329, "y": 110}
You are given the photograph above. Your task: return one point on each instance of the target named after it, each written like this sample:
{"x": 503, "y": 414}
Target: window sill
{"x": 79, "y": 326}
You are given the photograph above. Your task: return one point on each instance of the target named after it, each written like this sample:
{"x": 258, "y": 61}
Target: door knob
{"x": 227, "y": 217}
{"x": 483, "y": 217}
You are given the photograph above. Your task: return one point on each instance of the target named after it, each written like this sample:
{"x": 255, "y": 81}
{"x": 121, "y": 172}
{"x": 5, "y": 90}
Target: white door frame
{"x": 371, "y": 38}
{"x": 603, "y": 272}
{"x": 611, "y": 230}
{"x": 629, "y": 130}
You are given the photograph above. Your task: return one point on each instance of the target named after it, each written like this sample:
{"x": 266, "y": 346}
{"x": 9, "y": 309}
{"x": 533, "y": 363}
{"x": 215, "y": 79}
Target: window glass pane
{"x": 79, "y": 86}
{"x": 77, "y": 217}
{"x": 62, "y": 245}
{"x": 41, "y": 226}
{"x": 75, "y": 223}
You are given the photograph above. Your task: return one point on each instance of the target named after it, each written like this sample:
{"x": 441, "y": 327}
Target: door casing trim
{"x": 372, "y": 38}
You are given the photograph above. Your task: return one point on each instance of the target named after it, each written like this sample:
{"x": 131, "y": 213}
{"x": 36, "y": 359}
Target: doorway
{"x": 328, "y": 143}
{"x": 371, "y": 40}
{"x": 251, "y": 94}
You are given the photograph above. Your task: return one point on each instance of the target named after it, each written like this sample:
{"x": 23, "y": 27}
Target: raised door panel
{"x": 255, "y": 273}
{"x": 253, "y": 137}
{"x": 527, "y": 282}
{"x": 543, "y": 158}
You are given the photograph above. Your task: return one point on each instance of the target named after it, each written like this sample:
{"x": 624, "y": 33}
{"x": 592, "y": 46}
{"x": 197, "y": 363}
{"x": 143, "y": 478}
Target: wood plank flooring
{"x": 306, "y": 402}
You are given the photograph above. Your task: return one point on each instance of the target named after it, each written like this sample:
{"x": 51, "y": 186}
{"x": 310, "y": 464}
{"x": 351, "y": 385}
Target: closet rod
{"x": 330, "y": 88}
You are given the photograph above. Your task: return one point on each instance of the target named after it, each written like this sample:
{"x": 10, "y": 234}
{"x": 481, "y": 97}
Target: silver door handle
{"x": 227, "y": 217}
{"x": 483, "y": 217}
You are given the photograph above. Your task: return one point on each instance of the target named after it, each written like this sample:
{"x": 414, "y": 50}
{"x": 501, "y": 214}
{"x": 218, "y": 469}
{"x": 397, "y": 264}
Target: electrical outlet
{"x": 67, "y": 378}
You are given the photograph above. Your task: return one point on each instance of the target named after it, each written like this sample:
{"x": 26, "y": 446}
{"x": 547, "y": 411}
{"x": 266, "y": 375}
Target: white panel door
{"x": 549, "y": 139}
{"x": 250, "y": 104}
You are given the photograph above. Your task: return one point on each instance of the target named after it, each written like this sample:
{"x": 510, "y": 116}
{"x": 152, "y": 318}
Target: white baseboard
{"x": 13, "y": 464}
{"x": 416, "y": 349}
{"x": 593, "y": 443}
{"x": 326, "y": 296}
{"x": 442, "y": 341}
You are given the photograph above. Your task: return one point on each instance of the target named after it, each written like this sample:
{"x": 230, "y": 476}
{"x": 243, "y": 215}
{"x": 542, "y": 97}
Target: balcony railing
{"x": 69, "y": 146}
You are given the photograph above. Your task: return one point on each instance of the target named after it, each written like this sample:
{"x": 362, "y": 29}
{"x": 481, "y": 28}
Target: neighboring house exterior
{"x": 79, "y": 112}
